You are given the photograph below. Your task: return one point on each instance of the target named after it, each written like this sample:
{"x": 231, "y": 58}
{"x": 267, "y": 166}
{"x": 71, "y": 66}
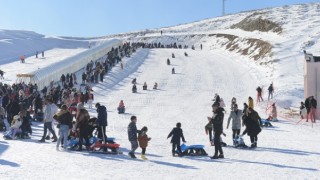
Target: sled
{"x": 265, "y": 123}
{"x": 238, "y": 142}
{"x": 193, "y": 150}
{"x": 97, "y": 146}
{"x": 110, "y": 147}
{"x": 121, "y": 110}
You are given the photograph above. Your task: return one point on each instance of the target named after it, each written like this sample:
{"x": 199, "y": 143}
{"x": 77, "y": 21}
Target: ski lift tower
{"x": 223, "y": 7}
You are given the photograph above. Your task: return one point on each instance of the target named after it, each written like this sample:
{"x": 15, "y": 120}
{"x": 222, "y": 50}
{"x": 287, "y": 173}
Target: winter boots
{"x": 254, "y": 145}
{"x": 131, "y": 154}
{"x": 221, "y": 156}
{"x": 143, "y": 157}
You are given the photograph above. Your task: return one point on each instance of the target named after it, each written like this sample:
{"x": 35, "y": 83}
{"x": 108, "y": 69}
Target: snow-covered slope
{"x": 289, "y": 150}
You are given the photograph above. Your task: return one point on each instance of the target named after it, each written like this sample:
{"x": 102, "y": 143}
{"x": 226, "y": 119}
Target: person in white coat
{"x": 48, "y": 118}
{"x": 236, "y": 116}
{"x": 15, "y": 127}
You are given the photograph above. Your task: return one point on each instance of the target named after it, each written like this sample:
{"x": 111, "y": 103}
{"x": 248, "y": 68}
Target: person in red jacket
{"x": 143, "y": 140}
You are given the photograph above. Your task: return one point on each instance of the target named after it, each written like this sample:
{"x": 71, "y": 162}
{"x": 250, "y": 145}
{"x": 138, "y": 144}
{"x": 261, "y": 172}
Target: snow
{"x": 289, "y": 150}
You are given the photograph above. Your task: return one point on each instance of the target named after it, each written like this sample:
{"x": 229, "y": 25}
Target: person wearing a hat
{"x": 217, "y": 121}
{"x": 64, "y": 118}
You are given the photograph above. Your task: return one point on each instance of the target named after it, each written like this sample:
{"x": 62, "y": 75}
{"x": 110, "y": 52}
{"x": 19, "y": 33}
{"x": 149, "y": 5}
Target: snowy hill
{"x": 286, "y": 151}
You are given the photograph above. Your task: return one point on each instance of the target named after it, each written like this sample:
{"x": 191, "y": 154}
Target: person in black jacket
{"x": 176, "y": 134}
{"x": 313, "y": 107}
{"x": 132, "y": 135}
{"x": 217, "y": 121}
{"x": 102, "y": 121}
{"x": 252, "y": 126}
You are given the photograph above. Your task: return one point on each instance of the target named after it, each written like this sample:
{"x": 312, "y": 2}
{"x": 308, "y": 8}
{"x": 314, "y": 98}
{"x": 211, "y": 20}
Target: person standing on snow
{"x": 259, "y": 94}
{"x": 250, "y": 120}
{"x": 102, "y": 121}
{"x": 313, "y": 107}
{"x": 82, "y": 121}
{"x": 176, "y": 134}
{"x": 217, "y": 121}
{"x": 48, "y": 118}
{"x": 143, "y": 140}
{"x": 235, "y": 115}
{"x": 250, "y": 102}
{"x": 132, "y": 136}
{"x": 271, "y": 90}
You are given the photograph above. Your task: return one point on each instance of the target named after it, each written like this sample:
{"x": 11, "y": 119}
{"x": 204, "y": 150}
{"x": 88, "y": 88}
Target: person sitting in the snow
{"x": 15, "y": 127}
{"x": 143, "y": 141}
{"x": 176, "y": 134}
{"x": 121, "y": 107}
{"x": 144, "y": 87}
{"x": 134, "y": 88}
{"x": 155, "y": 86}
{"x": 168, "y": 61}
{"x": 185, "y": 54}
{"x": 134, "y": 81}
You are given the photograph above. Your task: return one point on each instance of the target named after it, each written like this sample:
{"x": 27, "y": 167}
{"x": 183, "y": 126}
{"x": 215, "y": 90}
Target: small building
{"x": 312, "y": 79}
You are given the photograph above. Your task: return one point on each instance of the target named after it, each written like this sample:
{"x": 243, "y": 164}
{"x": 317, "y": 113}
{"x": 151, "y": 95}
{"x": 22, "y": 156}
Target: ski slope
{"x": 285, "y": 151}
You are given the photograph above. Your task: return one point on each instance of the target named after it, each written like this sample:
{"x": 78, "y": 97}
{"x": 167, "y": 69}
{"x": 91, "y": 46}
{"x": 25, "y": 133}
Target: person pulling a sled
{"x": 177, "y": 135}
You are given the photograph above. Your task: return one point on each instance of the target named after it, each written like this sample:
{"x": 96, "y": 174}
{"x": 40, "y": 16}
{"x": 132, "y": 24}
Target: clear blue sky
{"x": 89, "y": 18}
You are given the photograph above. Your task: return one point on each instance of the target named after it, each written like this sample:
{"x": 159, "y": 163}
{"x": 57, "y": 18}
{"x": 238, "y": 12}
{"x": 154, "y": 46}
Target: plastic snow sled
{"x": 110, "y": 147}
{"x": 121, "y": 110}
{"x": 265, "y": 123}
{"x": 96, "y": 145}
{"x": 193, "y": 150}
{"x": 238, "y": 142}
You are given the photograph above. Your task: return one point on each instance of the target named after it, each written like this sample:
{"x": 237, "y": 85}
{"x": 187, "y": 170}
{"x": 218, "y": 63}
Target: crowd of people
{"x": 19, "y": 101}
